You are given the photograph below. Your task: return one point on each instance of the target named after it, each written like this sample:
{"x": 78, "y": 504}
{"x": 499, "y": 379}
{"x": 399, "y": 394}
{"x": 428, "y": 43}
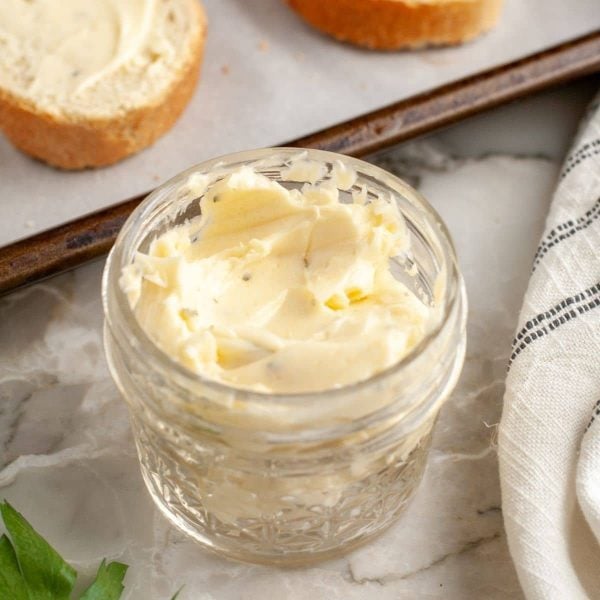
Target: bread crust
{"x": 76, "y": 143}
{"x": 395, "y": 24}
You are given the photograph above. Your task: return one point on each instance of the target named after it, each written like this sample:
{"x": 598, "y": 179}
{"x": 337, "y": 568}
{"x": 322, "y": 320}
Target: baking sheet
{"x": 268, "y": 78}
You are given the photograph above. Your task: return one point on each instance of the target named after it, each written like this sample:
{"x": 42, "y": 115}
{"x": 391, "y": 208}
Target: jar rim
{"x": 113, "y": 298}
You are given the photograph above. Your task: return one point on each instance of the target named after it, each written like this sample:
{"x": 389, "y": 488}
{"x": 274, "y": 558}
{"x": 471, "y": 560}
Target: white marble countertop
{"x": 67, "y": 459}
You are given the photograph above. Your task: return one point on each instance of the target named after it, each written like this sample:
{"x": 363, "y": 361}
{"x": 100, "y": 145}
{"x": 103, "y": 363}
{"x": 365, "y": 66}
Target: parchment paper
{"x": 268, "y": 78}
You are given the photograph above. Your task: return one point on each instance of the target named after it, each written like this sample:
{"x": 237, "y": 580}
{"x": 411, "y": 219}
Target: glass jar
{"x": 286, "y": 478}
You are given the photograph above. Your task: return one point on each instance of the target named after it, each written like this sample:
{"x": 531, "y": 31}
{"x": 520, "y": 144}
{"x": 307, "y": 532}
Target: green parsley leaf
{"x": 108, "y": 584}
{"x": 30, "y": 569}
{"x": 12, "y": 584}
{"x": 47, "y": 575}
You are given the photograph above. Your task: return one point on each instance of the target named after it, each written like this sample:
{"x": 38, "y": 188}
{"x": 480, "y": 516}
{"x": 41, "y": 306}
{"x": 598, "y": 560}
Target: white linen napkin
{"x": 549, "y": 438}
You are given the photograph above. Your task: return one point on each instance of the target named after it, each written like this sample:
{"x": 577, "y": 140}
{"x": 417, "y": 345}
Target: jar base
{"x": 282, "y": 559}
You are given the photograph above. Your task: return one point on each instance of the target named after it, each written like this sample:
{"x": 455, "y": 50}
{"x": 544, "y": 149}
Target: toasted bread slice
{"x": 85, "y": 83}
{"x": 395, "y": 24}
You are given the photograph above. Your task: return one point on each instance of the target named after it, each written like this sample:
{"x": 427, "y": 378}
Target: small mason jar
{"x": 286, "y": 478}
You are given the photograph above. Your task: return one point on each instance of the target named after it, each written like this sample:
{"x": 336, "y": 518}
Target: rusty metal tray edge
{"x": 89, "y": 237}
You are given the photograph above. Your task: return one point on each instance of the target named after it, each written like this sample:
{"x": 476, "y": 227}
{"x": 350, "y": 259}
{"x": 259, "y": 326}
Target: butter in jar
{"x": 284, "y": 326}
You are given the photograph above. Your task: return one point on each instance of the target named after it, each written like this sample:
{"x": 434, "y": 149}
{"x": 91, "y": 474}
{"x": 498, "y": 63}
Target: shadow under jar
{"x": 286, "y": 478}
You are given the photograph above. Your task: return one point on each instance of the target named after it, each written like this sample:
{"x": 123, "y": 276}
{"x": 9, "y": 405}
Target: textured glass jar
{"x": 286, "y": 478}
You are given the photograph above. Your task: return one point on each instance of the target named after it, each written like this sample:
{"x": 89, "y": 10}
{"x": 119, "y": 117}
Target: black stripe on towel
{"x": 551, "y": 319}
{"x": 565, "y": 231}
{"x": 585, "y": 148}
{"x": 595, "y": 413}
{"x": 580, "y": 159}
{"x": 586, "y": 151}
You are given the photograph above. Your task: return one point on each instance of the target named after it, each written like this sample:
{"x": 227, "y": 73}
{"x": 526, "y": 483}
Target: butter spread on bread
{"x": 87, "y": 82}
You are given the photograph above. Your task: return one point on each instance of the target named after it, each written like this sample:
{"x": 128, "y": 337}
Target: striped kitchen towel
{"x": 549, "y": 439}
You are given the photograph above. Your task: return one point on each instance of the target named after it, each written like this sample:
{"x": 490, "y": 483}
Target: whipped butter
{"x": 300, "y": 271}
{"x": 75, "y": 41}
{"x": 280, "y": 288}
{"x": 63, "y": 54}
